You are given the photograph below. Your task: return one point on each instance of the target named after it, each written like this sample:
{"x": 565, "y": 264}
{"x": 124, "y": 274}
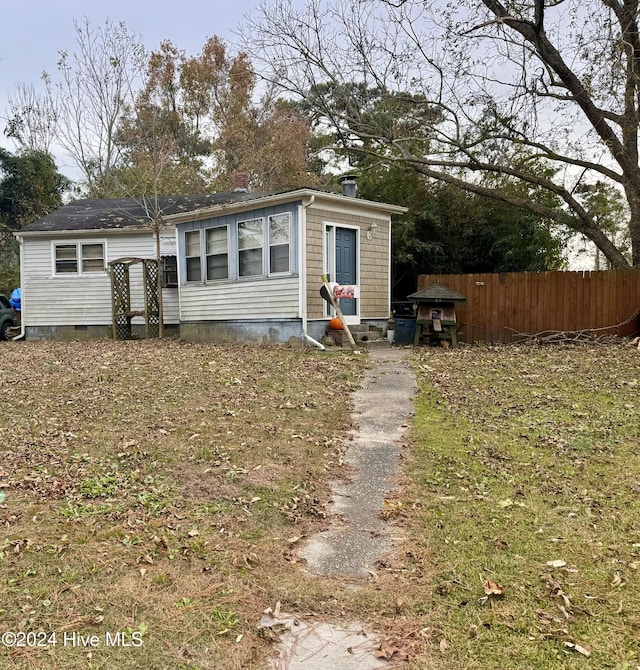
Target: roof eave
{"x": 310, "y": 195}
{"x": 67, "y": 232}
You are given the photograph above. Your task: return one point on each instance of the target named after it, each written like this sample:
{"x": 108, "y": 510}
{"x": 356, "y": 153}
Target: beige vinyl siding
{"x": 373, "y": 261}
{"x": 245, "y": 299}
{"x": 51, "y": 300}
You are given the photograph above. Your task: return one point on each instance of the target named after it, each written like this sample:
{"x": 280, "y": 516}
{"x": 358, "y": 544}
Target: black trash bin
{"x": 405, "y": 330}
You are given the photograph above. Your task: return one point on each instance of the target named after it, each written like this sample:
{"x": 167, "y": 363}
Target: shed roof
{"x": 437, "y": 293}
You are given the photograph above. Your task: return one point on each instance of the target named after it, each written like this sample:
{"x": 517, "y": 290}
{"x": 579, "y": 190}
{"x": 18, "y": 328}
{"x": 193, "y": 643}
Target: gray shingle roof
{"x": 97, "y": 214}
{"x": 437, "y": 293}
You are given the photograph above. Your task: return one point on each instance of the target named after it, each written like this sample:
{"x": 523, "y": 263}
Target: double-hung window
{"x": 218, "y": 253}
{"x": 279, "y": 243}
{"x": 250, "y": 247}
{"x": 192, "y": 243}
{"x": 78, "y": 258}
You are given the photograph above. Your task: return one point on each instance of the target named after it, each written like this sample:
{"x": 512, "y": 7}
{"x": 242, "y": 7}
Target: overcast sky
{"x": 34, "y": 31}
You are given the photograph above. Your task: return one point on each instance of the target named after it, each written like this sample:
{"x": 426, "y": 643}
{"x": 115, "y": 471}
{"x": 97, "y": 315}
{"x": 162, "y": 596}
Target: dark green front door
{"x": 346, "y": 268}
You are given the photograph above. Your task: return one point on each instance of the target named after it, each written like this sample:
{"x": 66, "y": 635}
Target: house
{"x": 237, "y": 266}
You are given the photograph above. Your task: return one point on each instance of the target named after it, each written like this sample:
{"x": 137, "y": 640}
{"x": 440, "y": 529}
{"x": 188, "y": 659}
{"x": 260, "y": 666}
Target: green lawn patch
{"x": 525, "y": 499}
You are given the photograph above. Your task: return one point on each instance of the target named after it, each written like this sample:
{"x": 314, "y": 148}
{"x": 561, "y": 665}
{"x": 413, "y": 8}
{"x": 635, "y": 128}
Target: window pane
{"x": 250, "y": 234}
{"x": 279, "y": 258}
{"x": 92, "y": 265}
{"x": 250, "y": 262}
{"x": 192, "y": 240}
{"x": 65, "y": 251}
{"x": 92, "y": 251}
{"x": 279, "y": 229}
{"x": 92, "y": 257}
{"x": 193, "y": 269}
{"x": 217, "y": 266}
{"x": 66, "y": 258}
{"x": 217, "y": 241}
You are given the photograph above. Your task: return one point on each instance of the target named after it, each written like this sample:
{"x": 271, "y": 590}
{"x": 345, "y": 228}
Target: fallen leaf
{"x": 443, "y": 645}
{"x": 493, "y": 588}
{"x": 583, "y": 649}
{"x": 556, "y": 564}
{"x": 505, "y": 503}
{"x": 617, "y": 580}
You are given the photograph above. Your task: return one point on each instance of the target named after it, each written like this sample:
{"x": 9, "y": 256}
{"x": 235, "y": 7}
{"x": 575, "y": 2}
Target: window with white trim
{"x": 217, "y": 253}
{"x": 78, "y": 258}
{"x": 192, "y": 244}
{"x": 250, "y": 247}
{"x": 279, "y": 243}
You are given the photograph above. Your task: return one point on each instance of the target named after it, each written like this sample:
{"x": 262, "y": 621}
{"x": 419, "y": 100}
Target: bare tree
{"x": 96, "y": 83}
{"x": 545, "y": 93}
{"x": 32, "y": 117}
{"x": 152, "y": 153}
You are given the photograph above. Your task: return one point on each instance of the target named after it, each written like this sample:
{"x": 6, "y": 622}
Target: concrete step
{"x": 364, "y": 338}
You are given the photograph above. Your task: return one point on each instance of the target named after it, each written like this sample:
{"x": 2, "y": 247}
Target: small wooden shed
{"x": 436, "y": 319}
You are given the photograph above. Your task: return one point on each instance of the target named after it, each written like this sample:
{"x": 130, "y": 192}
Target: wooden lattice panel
{"x": 121, "y": 301}
{"x": 152, "y": 301}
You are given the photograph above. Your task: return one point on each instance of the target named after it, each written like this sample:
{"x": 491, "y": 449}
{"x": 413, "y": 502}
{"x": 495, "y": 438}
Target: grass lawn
{"x": 157, "y": 491}
{"x": 525, "y": 507}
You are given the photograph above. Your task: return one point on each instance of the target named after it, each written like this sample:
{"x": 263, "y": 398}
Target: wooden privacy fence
{"x": 499, "y": 307}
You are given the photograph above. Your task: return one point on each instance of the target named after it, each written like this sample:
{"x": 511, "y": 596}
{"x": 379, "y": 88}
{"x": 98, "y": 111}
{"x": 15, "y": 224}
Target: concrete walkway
{"x": 360, "y": 536}
{"x": 382, "y": 407}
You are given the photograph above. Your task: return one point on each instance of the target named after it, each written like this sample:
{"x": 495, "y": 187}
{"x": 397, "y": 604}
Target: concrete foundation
{"x": 73, "y": 333}
{"x": 258, "y": 331}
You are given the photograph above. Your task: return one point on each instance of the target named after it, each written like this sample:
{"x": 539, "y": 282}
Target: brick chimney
{"x": 240, "y": 182}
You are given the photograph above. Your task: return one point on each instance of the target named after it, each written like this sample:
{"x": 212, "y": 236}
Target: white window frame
{"x": 206, "y": 255}
{"x": 263, "y": 247}
{"x": 78, "y": 244}
{"x": 187, "y": 257}
{"x": 269, "y": 244}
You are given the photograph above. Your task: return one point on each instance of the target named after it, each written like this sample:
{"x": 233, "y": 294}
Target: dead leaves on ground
{"x": 528, "y": 452}
{"x": 162, "y": 457}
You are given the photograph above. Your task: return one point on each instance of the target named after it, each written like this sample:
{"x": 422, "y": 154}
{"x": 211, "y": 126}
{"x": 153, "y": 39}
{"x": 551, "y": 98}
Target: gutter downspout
{"x": 22, "y": 320}
{"x": 302, "y": 217}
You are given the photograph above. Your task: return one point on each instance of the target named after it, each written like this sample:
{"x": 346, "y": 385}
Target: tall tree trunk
{"x": 633, "y": 199}
{"x": 159, "y": 262}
